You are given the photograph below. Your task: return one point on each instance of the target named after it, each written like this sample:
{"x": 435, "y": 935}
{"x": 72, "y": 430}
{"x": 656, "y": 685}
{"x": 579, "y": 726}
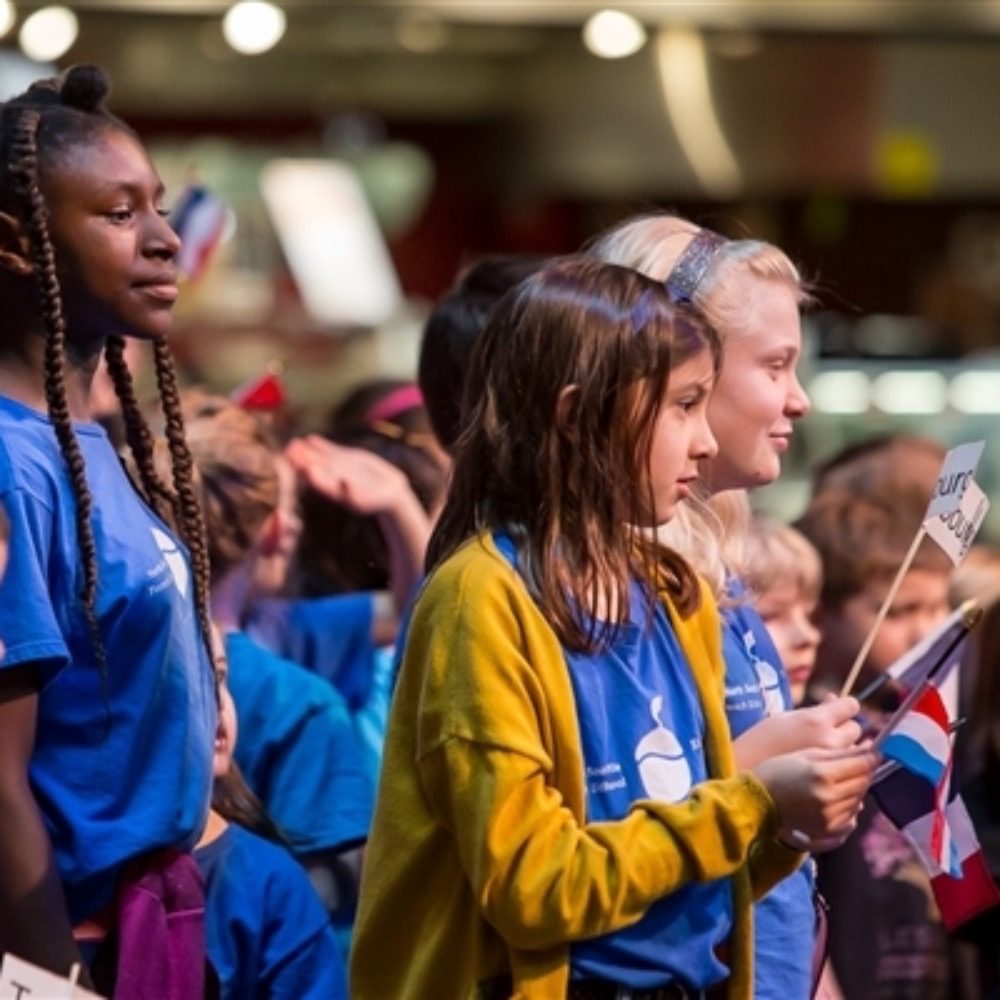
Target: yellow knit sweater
{"x": 480, "y": 862}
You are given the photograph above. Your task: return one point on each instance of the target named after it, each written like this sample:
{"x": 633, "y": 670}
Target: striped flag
{"x": 919, "y": 800}
{"x": 198, "y": 218}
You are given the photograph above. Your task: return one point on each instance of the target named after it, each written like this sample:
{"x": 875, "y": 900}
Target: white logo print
{"x": 174, "y": 558}
{"x": 770, "y": 680}
{"x": 664, "y": 771}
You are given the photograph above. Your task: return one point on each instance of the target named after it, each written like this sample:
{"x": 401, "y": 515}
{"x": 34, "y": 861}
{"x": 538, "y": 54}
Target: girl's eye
{"x": 119, "y": 215}
{"x": 163, "y": 213}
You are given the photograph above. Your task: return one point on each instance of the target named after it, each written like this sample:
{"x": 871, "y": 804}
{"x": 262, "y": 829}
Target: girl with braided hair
{"x": 107, "y": 696}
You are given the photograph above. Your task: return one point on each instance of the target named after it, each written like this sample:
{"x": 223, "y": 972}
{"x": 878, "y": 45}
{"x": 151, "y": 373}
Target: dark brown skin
{"x": 116, "y": 254}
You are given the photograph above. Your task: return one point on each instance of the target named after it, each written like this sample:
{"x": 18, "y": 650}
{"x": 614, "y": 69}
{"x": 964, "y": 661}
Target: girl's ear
{"x": 567, "y": 411}
{"x": 15, "y": 248}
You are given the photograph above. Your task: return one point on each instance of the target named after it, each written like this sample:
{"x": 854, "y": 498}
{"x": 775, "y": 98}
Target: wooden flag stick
{"x": 883, "y": 611}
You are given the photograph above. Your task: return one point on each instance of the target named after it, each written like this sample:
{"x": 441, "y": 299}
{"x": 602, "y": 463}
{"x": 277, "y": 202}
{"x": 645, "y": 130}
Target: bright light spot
{"x": 911, "y": 392}
{"x": 840, "y": 392}
{"x": 48, "y": 33}
{"x": 613, "y": 34}
{"x": 7, "y": 16}
{"x": 975, "y": 392}
{"x": 420, "y": 32}
{"x": 682, "y": 64}
{"x": 253, "y": 26}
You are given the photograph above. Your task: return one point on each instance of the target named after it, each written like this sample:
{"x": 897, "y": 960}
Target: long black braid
{"x": 187, "y": 508}
{"x": 57, "y": 114}
{"x": 138, "y": 436}
{"x": 23, "y": 171}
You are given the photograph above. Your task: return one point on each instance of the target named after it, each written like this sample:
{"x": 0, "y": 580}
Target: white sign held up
{"x": 956, "y": 473}
{"x": 20, "y": 980}
{"x": 956, "y": 530}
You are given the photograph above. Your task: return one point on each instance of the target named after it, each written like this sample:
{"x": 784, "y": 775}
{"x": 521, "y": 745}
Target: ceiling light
{"x": 976, "y": 392}
{"x": 613, "y": 34}
{"x": 48, "y": 34}
{"x": 7, "y": 16}
{"x": 421, "y": 32}
{"x": 253, "y": 26}
{"x": 911, "y": 392}
{"x": 840, "y": 392}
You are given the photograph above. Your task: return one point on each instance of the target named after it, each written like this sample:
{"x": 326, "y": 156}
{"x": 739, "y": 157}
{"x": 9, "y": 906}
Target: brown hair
{"x": 864, "y": 537}
{"x": 38, "y": 127}
{"x": 237, "y": 475}
{"x": 711, "y": 531}
{"x": 571, "y": 486}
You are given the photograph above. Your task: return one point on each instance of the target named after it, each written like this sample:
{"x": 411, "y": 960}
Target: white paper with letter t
{"x": 20, "y": 980}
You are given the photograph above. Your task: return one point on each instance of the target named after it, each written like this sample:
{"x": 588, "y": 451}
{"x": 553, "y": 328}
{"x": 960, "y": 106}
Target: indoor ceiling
{"x": 794, "y": 95}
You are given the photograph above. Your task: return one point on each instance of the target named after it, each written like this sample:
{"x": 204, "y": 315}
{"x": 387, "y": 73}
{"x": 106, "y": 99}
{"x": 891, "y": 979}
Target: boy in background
{"x": 886, "y": 937}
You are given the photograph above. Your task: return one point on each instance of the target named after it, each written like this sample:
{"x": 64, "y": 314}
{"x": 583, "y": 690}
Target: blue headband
{"x": 692, "y": 265}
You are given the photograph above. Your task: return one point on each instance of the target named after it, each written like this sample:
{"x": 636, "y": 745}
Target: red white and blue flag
{"x": 198, "y": 218}
{"x": 918, "y": 798}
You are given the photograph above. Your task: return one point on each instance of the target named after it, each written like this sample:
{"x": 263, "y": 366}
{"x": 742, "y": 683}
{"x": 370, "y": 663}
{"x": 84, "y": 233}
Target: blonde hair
{"x": 777, "y": 554}
{"x": 710, "y": 531}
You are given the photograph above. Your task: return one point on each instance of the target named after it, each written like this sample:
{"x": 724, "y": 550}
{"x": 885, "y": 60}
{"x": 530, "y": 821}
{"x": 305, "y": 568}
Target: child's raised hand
{"x": 360, "y": 480}
{"x": 818, "y": 793}
{"x": 827, "y": 726}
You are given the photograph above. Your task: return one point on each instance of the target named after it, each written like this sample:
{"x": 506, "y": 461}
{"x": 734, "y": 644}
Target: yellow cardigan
{"x": 480, "y": 861}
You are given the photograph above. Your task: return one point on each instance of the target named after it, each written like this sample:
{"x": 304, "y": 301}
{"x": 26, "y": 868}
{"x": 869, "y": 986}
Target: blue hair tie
{"x": 693, "y": 264}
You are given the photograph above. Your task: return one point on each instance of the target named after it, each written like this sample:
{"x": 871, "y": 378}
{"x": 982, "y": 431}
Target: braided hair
{"x": 49, "y": 118}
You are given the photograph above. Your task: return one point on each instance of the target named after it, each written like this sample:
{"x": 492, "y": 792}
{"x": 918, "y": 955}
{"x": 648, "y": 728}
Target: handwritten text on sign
{"x": 956, "y": 530}
{"x": 20, "y": 980}
{"x": 956, "y": 473}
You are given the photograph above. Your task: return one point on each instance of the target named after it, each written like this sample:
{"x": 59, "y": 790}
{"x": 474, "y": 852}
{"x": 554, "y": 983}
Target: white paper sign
{"x": 956, "y": 473}
{"x": 20, "y": 980}
{"x": 956, "y": 530}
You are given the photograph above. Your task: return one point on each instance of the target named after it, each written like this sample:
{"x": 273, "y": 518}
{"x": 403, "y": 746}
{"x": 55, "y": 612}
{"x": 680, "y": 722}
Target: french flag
{"x": 198, "y": 218}
{"x": 917, "y": 797}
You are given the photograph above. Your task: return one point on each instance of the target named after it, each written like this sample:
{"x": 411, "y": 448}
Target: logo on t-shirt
{"x": 174, "y": 559}
{"x": 767, "y": 674}
{"x": 663, "y": 768}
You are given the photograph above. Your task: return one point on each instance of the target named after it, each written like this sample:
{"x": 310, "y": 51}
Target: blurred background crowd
{"x": 362, "y": 152}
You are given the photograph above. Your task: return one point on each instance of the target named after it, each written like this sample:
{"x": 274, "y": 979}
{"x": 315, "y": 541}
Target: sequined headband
{"x": 691, "y": 266}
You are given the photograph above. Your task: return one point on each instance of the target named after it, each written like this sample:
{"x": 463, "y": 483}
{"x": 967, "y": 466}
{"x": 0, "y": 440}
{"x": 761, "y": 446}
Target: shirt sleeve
{"x": 30, "y": 627}
{"x": 543, "y": 879}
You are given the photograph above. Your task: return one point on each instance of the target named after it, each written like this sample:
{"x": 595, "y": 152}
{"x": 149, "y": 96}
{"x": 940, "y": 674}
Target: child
{"x": 783, "y": 574}
{"x": 452, "y": 330}
{"x": 107, "y": 696}
{"x": 559, "y": 809}
{"x": 299, "y": 752}
{"x": 267, "y": 932}
{"x": 751, "y": 293}
{"x": 886, "y": 938}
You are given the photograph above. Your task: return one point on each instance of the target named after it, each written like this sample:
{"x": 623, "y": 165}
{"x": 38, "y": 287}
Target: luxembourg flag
{"x": 917, "y": 797}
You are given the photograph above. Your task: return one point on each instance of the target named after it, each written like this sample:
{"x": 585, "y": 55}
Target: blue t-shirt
{"x": 298, "y": 750}
{"x": 332, "y": 636}
{"x": 266, "y": 932}
{"x": 641, "y": 732}
{"x": 116, "y": 771}
{"x": 784, "y": 920}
